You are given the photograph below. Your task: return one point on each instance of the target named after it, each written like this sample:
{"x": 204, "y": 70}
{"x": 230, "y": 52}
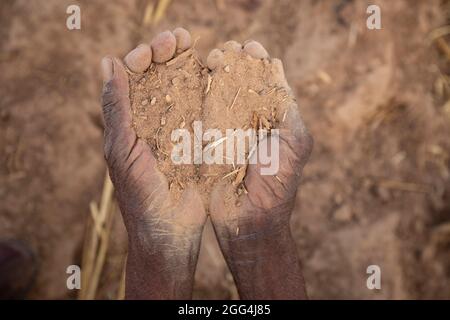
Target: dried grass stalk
{"x": 96, "y": 242}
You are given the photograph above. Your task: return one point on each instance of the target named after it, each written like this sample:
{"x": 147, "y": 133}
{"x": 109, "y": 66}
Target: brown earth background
{"x": 376, "y": 189}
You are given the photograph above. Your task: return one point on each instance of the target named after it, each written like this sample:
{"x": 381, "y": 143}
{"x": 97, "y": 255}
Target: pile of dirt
{"x": 242, "y": 93}
{"x": 165, "y": 98}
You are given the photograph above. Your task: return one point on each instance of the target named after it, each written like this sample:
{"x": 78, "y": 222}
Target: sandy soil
{"x": 376, "y": 190}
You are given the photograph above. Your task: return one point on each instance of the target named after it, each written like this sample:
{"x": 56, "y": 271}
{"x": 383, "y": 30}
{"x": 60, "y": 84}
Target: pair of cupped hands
{"x": 164, "y": 236}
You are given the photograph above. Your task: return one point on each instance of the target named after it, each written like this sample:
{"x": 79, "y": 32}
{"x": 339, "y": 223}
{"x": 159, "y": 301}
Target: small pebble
{"x": 153, "y": 101}
{"x": 226, "y": 69}
{"x": 163, "y": 121}
{"x": 144, "y": 102}
{"x": 168, "y": 99}
{"x": 343, "y": 214}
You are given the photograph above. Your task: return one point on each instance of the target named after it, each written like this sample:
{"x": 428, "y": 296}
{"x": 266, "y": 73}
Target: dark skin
{"x": 164, "y": 235}
{"x": 256, "y": 241}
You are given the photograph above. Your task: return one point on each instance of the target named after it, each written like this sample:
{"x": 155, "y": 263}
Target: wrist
{"x": 262, "y": 256}
{"x": 254, "y": 226}
{"x": 269, "y": 269}
{"x": 160, "y": 266}
{"x": 159, "y": 275}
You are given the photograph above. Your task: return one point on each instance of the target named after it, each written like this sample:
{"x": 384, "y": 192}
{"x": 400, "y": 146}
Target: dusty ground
{"x": 376, "y": 190}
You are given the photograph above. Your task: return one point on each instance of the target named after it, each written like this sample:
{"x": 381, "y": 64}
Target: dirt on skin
{"x": 375, "y": 191}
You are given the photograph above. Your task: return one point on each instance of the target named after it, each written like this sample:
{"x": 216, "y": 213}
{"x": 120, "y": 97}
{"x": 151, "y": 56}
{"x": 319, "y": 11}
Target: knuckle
{"x": 110, "y": 97}
{"x": 108, "y": 89}
{"x": 108, "y": 101}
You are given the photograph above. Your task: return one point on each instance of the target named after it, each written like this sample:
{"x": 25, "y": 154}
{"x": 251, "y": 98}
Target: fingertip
{"x": 278, "y": 73}
{"x": 232, "y": 46}
{"x": 256, "y": 50}
{"x": 139, "y": 59}
{"x": 183, "y": 39}
{"x": 278, "y": 65}
{"x": 214, "y": 59}
{"x": 163, "y": 47}
{"x": 107, "y": 69}
{"x": 118, "y": 66}
{"x": 120, "y": 75}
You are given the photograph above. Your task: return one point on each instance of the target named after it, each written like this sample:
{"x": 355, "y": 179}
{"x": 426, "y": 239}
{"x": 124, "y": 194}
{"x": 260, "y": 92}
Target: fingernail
{"x": 107, "y": 69}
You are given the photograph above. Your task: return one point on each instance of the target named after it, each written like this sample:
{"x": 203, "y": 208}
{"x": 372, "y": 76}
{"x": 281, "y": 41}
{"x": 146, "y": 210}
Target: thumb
{"x": 119, "y": 133}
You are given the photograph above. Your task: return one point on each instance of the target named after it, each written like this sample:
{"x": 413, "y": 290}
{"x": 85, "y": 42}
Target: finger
{"x": 278, "y": 75}
{"x": 163, "y": 47}
{"x": 214, "y": 59}
{"x": 184, "y": 39}
{"x": 256, "y": 50}
{"x": 233, "y": 46}
{"x": 139, "y": 59}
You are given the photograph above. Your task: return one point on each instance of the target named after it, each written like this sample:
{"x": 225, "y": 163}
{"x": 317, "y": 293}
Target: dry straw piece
{"x": 152, "y": 15}
{"x": 96, "y": 242}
